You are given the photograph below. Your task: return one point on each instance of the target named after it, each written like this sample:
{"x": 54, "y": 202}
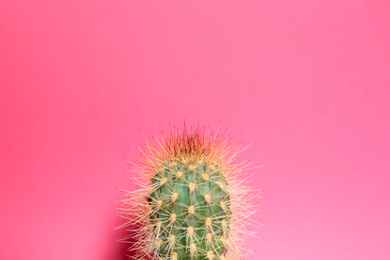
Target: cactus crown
{"x": 191, "y": 205}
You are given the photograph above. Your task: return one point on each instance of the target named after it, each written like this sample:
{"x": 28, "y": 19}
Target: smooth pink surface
{"x": 307, "y": 81}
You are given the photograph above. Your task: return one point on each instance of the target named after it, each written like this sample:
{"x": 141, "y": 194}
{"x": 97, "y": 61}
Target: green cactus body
{"x": 190, "y": 211}
{"x": 191, "y": 204}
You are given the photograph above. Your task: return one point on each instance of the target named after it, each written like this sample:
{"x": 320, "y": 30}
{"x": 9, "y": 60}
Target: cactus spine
{"x": 191, "y": 205}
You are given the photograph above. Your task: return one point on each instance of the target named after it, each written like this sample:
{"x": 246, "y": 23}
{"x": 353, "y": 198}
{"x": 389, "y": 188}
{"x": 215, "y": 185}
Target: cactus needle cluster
{"x": 191, "y": 203}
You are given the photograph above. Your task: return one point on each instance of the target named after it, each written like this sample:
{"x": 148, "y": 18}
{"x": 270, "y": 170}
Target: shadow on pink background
{"x": 307, "y": 81}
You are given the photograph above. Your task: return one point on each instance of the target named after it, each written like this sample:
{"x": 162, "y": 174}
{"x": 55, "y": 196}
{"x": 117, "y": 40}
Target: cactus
{"x": 191, "y": 203}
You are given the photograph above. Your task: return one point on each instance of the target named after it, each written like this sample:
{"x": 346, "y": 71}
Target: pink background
{"x": 307, "y": 81}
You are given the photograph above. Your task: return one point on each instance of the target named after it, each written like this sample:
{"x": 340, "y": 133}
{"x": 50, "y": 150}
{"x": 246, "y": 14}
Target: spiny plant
{"x": 191, "y": 203}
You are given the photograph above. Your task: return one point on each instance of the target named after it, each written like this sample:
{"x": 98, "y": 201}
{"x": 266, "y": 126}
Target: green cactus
{"x": 191, "y": 205}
